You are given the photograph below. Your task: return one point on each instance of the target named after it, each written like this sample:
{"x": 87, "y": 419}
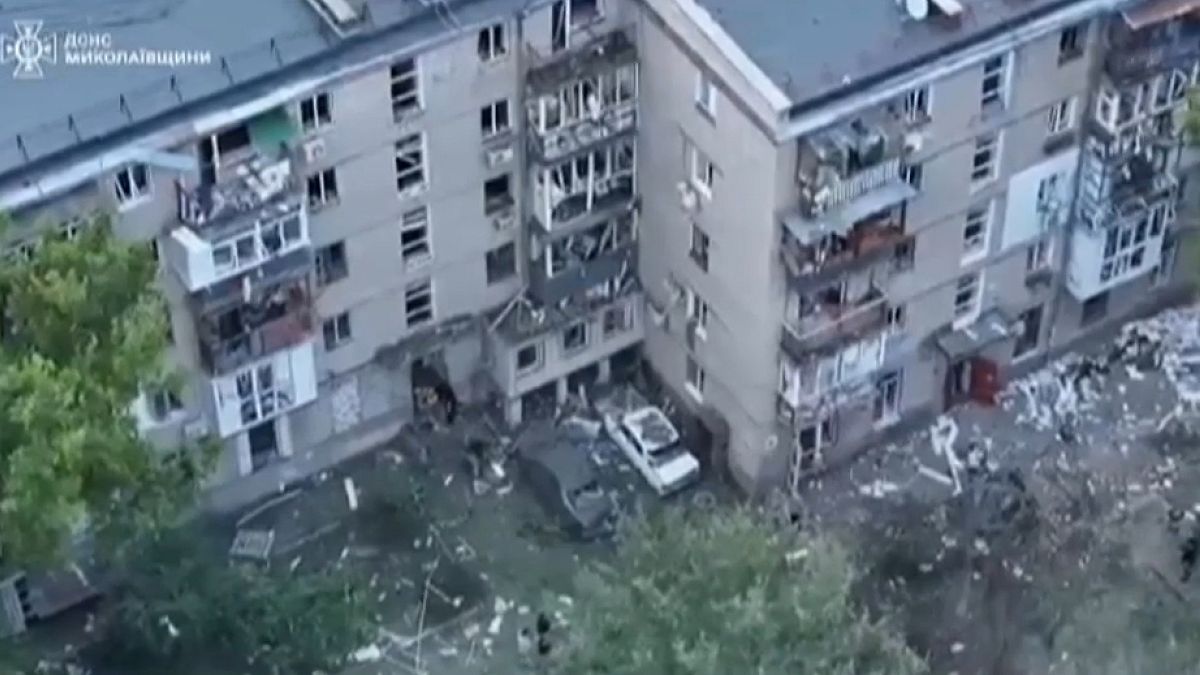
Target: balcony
{"x": 814, "y": 382}
{"x": 279, "y": 383}
{"x": 812, "y": 255}
{"x": 582, "y": 192}
{"x": 567, "y": 137}
{"x": 835, "y": 324}
{"x": 1150, "y": 42}
{"x": 256, "y": 287}
{"x": 1105, "y": 257}
{"x": 261, "y": 185}
{"x": 250, "y": 333}
{"x": 570, "y": 265}
{"x": 605, "y": 54}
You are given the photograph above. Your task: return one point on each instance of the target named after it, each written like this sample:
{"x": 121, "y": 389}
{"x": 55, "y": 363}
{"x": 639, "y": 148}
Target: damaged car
{"x": 564, "y": 483}
{"x": 651, "y": 443}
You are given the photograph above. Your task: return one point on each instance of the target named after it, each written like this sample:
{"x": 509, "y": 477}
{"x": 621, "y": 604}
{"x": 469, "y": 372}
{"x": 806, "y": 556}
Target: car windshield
{"x": 588, "y": 490}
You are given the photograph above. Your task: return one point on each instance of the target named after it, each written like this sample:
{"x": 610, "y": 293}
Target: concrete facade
{"x": 700, "y": 224}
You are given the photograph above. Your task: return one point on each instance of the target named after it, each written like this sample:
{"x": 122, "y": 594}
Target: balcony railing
{"x": 1143, "y": 55}
{"x": 249, "y": 186}
{"x": 554, "y": 144}
{"x": 831, "y": 324}
{"x": 867, "y": 242}
{"x": 820, "y": 199}
{"x": 549, "y": 70}
{"x": 220, "y": 356}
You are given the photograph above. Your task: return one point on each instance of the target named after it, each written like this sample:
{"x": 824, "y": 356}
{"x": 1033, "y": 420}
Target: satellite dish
{"x": 917, "y": 9}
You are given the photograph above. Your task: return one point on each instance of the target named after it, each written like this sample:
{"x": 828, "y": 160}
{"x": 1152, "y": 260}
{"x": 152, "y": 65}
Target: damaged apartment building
{"x": 811, "y": 221}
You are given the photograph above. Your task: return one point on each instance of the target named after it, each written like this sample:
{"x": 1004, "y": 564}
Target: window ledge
{"x": 707, "y": 114}
{"x": 131, "y": 204}
{"x": 694, "y": 392}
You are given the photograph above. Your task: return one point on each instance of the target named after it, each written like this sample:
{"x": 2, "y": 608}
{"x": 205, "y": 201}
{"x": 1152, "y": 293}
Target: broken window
{"x": 418, "y": 303}
{"x": 331, "y": 263}
{"x": 697, "y": 312}
{"x": 336, "y": 331}
{"x": 529, "y": 357}
{"x": 915, "y": 105}
{"x": 493, "y": 118}
{"x": 706, "y": 94}
{"x": 975, "y": 231}
{"x": 132, "y": 185}
{"x": 575, "y": 337}
{"x": 616, "y": 320}
{"x": 985, "y": 159}
{"x": 1070, "y": 43}
{"x": 887, "y": 396}
{"x": 1037, "y": 256}
{"x": 163, "y": 403}
{"x": 1031, "y": 330}
{"x": 703, "y": 171}
{"x": 315, "y": 112}
{"x": 322, "y": 188}
{"x": 415, "y": 247}
{"x": 966, "y": 295}
{"x": 904, "y": 255}
{"x": 695, "y": 378}
{"x": 492, "y": 44}
{"x": 497, "y": 195}
{"x": 584, "y": 12}
{"x": 912, "y": 174}
{"x": 895, "y": 317}
{"x": 1060, "y": 117}
{"x": 1094, "y": 309}
{"x": 699, "y": 247}
{"x": 410, "y": 164}
{"x": 406, "y": 89}
{"x": 993, "y": 84}
{"x": 501, "y": 263}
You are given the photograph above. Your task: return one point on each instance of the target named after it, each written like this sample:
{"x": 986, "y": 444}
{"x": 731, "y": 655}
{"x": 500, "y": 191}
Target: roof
{"x": 75, "y": 111}
{"x": 992, "y": 326}
{"x": 651, "y": 428}
{"x": 817, "y": 48}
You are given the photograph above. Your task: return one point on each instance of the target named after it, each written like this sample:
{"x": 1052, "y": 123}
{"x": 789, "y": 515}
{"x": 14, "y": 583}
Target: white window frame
{"x": 587, "y": 338}
{"x": 889, "y": 417}
{"x": 698, "y": 310}
{"x": 136, "y": 194}
{"x": 325, "y": 195}
{"x": 315, "y": 121}
{"x": 981, "y": 147}
{"x": 625, "y": 324}
{"x": 1060, "y": 117}
{"x": 702, "y": 172}
{"x": 694, "y": 378}
{"x": 970, "y": 310}
{"x": 404, "y": 149}
{"x": 916, "y": 106}
{"x": 420, "y": 250}
{"x": 493, "y": 43}
{"x": 706, "y": 94}
{"x": 489, "y": 119}
{"x": 999, "y": 95}
{"x": 413, "y": 292}
{"x": 408, "y": 104}
{"x": 1037, "y": 255}
{"x": 539, "y": 351}
{"x": 977, "y": 215}
{"x": 342, "y": 331}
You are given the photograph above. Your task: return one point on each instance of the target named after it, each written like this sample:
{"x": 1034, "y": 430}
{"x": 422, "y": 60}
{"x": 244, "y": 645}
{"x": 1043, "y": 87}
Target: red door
{"x": 985, "y": 381}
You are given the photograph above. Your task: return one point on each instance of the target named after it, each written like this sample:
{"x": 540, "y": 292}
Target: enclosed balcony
{"x": 852, "y": 170}
{"x": 1152, "y": 37}
{"x": 564, "y": 266}
{"x": 812, "y": 255}
{"x": 818, "y": 381}
{"x": 1119, "y": 182}
{"x": 281, "y": 382}
{"x": 835, "y": 315}
{"x": 581, "y": 112}
{"x": 1102, "y": 258}
{"x": 250, "y": 331}
{"x": 256, "y": 287}
{"x": 588, "y": 188}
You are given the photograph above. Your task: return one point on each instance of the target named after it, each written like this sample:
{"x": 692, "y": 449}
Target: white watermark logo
{"x": 30, "y": 48}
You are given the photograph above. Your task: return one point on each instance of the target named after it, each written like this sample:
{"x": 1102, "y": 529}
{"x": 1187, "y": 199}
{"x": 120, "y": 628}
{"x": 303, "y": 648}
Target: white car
{"x": 652, "y": 444}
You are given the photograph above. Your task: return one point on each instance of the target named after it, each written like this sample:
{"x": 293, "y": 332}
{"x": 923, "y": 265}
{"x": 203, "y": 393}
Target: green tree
{"x": 82, "y": 334}
{"x": 183, "y": 603}
{"x": 727, "y": 593}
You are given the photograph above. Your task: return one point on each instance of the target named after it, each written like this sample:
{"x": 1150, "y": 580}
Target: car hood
{"x": 677, "y": 468}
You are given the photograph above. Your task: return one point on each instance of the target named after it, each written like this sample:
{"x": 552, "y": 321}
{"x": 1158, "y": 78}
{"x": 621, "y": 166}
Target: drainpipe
{"x": 1064, "y": 257}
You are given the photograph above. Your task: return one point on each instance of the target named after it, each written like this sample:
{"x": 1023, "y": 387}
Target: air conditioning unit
{"x": 314, "y": 150}
{"x": 505, "y": 220}
{"x": 913, "y": 142}
{"x": 497, "y": 156}
{"x": 196, "y": 429}
{"x": 688, "y": 198}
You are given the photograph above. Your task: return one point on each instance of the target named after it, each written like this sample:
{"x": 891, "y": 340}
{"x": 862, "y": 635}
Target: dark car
{"x": 564, "y": 482}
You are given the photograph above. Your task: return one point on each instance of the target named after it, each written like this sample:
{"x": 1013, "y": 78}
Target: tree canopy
{"x": 82, "y": 335}
{"x": 721, "y": 593}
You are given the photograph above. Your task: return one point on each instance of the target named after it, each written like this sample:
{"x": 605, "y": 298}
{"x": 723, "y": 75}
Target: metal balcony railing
{"x": 836, "y": 323}
{"x": 288, "y": 330}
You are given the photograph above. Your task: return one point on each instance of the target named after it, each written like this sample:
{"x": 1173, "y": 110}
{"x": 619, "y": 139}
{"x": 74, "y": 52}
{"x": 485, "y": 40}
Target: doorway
{"x": 887, "y": 398}
{"x": 1031, "y": 331}
{"x": 264, "y": 445}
